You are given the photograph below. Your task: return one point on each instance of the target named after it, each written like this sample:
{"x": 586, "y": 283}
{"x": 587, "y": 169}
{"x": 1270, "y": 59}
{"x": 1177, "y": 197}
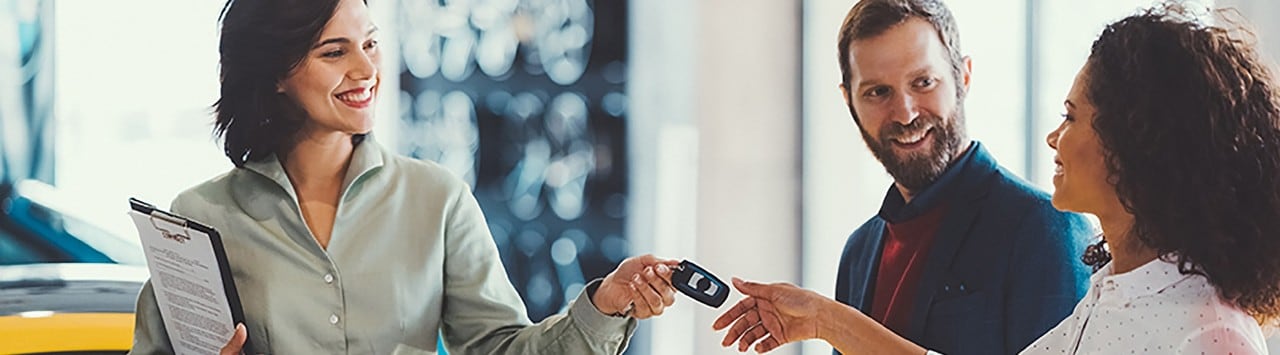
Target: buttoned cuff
{"x": 599, "y": 325}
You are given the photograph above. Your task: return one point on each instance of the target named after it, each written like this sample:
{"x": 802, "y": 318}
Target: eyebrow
{"x": 913, "y": 73}
{"x": 372, "y": 29}
{"x": 1069, "y": 104}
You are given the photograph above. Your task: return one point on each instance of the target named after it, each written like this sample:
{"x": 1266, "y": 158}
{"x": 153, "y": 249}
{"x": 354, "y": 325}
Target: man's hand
{"x": 773, "y": 314}
{"x": 236, "y": 343}
{"x": 640, "y": 287}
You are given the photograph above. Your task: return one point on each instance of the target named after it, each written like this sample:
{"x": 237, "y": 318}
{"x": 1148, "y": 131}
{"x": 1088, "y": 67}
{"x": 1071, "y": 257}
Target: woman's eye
{"x": 333, "y": 54}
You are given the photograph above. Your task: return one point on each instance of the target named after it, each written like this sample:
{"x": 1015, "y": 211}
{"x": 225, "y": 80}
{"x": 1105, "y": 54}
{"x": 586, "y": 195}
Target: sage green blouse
{"x": 410, "y": 257}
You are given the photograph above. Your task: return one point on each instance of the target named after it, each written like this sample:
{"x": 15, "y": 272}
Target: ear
{"x": 844, "y": 93}
{"x": 968, "y": 71}
{"x": 280, "y": 88}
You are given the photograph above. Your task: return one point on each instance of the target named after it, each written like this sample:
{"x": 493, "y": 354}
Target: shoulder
{"x": 422, "y": 175}
{"x": 214, "y": 191}
{"x": 1014, "y": 196}
{"x": 1196, "y": 303}
{"x": 1014, "y": 190}
{"x": 864, "y": 238}
{"x": 1234, "y": 336}
{"x": 868, "y": 228}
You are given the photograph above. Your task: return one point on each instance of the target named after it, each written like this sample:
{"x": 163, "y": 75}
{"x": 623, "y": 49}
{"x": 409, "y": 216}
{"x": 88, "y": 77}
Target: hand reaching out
{"x": 772, "y": 314}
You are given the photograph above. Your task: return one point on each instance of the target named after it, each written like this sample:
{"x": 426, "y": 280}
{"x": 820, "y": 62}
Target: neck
{"x": 907, "y": 194}
{"x": 319, "y": 158}
{"x": 1127, "y": 251}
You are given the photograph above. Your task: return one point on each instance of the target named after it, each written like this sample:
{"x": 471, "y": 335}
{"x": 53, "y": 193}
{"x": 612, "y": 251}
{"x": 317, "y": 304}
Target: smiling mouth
{"x": 356, "y": 98}
{"x": 913, "y": 140}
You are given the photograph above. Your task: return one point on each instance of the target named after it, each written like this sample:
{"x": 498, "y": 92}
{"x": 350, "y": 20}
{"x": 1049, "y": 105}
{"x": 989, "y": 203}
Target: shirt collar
{"x": 366, "y": 157}
{"x": 962, "y": 175}
{"x": 1149, "y": 279}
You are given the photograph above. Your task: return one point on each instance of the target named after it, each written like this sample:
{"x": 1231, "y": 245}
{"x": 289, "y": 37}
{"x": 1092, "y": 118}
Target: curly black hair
{"x": 1189, "y": 118}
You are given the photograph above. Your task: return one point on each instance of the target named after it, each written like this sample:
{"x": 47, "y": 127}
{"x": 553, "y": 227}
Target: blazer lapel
{"x": 969, "y": 199}
{"x": 951, "y": 235}
{"x": 865, "y": 266}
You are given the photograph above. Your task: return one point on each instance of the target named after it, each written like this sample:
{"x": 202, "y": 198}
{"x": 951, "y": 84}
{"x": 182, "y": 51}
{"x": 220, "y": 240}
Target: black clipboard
{"x": 219, "y": 252}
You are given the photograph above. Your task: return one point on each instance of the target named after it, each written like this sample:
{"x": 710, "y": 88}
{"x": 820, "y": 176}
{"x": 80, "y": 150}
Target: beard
{"x": 915, "y": 171}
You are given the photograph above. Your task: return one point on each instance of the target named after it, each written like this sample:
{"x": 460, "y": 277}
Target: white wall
{"x": 1260, "y": 14}
{"x": 715, "y": 127}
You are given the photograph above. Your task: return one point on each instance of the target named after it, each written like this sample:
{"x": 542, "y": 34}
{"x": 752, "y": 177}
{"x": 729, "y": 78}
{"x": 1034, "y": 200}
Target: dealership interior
{"x": 589, "y": 132}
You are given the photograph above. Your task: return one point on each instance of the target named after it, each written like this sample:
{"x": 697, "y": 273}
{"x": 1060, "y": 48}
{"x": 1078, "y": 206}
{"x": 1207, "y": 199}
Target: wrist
{"x": 592, "y": 290}
{"x": 849, "y": 330}
{"x": 829, "y": 314}
{"x": 845, "y": 327}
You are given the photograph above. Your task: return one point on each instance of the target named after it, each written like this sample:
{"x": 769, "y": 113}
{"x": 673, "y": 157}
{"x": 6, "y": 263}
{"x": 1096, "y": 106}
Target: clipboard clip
{"x": 155, "y": 213}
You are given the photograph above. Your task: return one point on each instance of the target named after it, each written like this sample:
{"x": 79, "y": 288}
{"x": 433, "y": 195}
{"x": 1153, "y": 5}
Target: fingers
{"x": 740, "y": 328}
{"x": 750, "y": 337}
{"x": 772, "y": 322}
{"x": 664, "y": 272}
{"x": 236, "y": 343}
{"x": 733, "y": 313}
{"x": 768, "y": 344}
{"x": 647, "y": 300}
{"x": 661, "y": 285}
{"x": 753, "y": 288}
{"x": 649, "y": 260}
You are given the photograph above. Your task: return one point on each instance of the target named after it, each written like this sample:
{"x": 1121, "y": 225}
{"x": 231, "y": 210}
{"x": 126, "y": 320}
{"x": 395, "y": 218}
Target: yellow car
{"x": 85, "y": 308}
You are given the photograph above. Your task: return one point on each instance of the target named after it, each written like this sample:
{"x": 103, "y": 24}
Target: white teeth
{"x": 362, "y": 95}
{"x": 912, "y": 139}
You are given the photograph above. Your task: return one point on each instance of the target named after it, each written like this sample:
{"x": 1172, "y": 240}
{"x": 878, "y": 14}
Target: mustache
{"x": 920, "y": 124}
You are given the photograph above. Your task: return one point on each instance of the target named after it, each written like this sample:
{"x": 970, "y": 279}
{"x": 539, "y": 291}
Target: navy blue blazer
{"x": 1004, "y": 267}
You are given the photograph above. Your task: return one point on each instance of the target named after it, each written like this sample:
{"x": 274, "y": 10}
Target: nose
{"x": 1052, "y": 138}
{"x": 364, "y": 67}
{"x": 906, "y": 110}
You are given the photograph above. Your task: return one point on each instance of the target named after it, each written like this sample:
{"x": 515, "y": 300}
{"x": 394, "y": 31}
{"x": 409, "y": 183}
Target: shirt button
{"x": 333, "y": 319}
{"x": 328, "y": 278}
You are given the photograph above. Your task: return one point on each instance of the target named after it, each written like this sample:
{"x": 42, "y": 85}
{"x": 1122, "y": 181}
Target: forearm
{"x": 851, "y": 332}
{"x": 579, "y": 330}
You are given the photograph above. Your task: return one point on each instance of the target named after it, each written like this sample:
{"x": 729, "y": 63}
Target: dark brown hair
{"x": 870, "y": 18}
{"x": 1189, "y": 118}
{"x": 261, "y": 43}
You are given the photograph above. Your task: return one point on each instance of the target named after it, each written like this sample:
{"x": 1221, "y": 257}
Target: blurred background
{"x": 591, "y": 130}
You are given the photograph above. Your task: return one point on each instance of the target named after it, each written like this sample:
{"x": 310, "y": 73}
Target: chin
{"x": 1063, "y": 203}
{"x": 361, "y": 125}
{"x": 1057, "y": 205}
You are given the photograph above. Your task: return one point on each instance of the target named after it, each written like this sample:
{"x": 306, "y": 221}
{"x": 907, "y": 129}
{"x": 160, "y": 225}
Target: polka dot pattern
{"x": 1153, "y": 309}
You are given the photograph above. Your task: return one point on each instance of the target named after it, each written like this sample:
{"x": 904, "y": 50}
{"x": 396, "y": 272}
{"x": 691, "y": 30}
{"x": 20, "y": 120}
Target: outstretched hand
{"x": 772, "y": 315}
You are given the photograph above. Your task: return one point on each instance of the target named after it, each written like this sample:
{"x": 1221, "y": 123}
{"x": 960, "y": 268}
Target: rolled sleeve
{"x": 600, "y": 326}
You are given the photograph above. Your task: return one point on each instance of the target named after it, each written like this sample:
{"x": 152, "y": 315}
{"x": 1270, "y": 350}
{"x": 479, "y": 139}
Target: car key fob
{"x": 695, "y": 282}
